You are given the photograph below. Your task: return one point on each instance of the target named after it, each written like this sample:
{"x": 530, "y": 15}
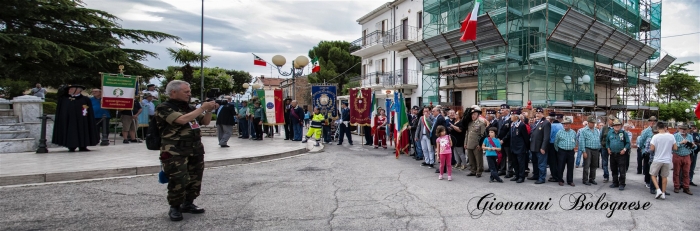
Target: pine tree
{"x": 60, "y": 41}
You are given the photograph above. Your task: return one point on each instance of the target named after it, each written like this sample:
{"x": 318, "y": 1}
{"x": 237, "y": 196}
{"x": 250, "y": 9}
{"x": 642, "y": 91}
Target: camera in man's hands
{"x": 688, "y": 145}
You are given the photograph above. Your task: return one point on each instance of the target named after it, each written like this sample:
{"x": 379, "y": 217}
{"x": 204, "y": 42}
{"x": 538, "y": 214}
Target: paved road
{"x": 342, "y": 188}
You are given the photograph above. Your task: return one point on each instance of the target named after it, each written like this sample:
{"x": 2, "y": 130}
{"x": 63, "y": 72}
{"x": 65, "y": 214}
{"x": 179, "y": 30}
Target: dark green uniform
{"x": 181, "y": 152}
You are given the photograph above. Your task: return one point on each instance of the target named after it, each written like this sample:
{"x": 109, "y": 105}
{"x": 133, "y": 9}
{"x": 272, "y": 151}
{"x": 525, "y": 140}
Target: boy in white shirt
{"x": 663, "y": 144}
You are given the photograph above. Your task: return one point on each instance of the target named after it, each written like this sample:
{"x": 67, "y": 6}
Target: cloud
{"x": 235, "y": 29}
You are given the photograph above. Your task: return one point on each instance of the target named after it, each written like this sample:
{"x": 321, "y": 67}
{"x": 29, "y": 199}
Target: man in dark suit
{"x": 539, "y": 145}
{"x": 509, "y": 160}
{"x": 225, "y": 121}
{"x": 519, "y": 143}
{"x": 413, "y": 125}
{"x": 288, "y": 133}
{"x": 345, "y": 124}
{"x": 438, "y": 120}
{"x": 296, "y": 117}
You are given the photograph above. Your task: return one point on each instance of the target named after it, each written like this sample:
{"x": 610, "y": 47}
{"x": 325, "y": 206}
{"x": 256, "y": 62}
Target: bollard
{"x": 105, "y": 134}
{"x": 42, "y": 141}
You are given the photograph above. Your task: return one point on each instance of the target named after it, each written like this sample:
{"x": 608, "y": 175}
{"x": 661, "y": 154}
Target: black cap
{"x": 491, "y": 112}
{"x": 505, "y": 106}
{"x": 150, "y": 85}
{"x": 552, "y": 114}
{"x": 559, "y": 116}
{"x": 415, "y": 108}
{"x": 515, "y": 112}
{"x": 539, "y": 109}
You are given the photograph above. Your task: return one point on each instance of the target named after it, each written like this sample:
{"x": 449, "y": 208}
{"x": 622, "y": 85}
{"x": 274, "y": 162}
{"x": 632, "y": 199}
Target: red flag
{"x": 360, "y": 101}
{"x": 259, "y": 61}
{"x": 697, "y": 110}
{"x": 279, "y": 107}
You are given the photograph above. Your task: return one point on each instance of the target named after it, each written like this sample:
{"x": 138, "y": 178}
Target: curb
{"x": 132, "y": 171}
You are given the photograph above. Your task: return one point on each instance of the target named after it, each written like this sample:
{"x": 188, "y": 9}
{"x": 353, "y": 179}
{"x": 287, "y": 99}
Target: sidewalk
{"x": 131, "y": 159}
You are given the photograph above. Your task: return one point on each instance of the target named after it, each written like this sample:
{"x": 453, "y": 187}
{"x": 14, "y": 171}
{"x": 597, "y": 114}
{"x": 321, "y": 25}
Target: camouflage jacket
{"x": 179, "y": 139}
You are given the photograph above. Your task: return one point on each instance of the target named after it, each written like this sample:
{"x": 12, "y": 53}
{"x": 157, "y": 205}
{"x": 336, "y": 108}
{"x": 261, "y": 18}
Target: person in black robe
{"x": 74, "y": 125}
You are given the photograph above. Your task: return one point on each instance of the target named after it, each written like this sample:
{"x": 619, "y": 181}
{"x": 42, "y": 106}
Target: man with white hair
{"x": 181, "y": 148}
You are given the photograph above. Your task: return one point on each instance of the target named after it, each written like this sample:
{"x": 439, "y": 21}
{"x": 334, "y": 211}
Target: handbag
{"x": 498, "y": 153}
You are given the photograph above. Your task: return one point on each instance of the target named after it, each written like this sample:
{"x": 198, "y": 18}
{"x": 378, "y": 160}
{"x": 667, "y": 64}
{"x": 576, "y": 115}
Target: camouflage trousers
{"x": 184, "y": 175}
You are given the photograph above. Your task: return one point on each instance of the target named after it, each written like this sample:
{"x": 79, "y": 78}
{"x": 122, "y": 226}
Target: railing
{"x": 577, "y": 95}
{"x": 368, "y": 40}
{"x": 374, "y": 79}
{"x": 401, "y": 77}
{"x": 401, "y": 33}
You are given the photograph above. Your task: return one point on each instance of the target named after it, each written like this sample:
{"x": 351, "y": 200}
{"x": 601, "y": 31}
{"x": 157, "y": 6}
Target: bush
{"x": 49, "y": 108}
{"x": 51, "y": 97}
{"x": 213, "y": 116}
{"x": 12, "y": 88}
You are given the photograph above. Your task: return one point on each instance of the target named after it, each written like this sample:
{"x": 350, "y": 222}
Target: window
{"x": 419, "y": 24}
{"x": 364, "y": 37}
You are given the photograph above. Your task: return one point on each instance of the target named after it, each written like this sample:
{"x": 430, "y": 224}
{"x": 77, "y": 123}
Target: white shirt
{"x": 663, "y": 147}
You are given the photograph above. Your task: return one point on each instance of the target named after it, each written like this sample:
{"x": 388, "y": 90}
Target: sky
{"x": 233, "y": 29}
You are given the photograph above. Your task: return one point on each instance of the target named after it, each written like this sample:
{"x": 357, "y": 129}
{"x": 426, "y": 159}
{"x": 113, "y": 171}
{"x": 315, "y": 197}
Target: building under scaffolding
{"x": 583, "y": 54}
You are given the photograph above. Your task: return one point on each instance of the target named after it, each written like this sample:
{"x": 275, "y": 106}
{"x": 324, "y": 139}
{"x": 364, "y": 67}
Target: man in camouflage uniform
{"x": 181, "y": 150}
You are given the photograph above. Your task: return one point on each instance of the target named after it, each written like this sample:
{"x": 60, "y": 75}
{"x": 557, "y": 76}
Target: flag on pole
{"x": 468, "y": 28}
{"x": 259, "y": 61}
{"x": 402, "y": 132}
{"x": 261, "y": 96}
{"x": 274, "y": 111}
{"x": 372, "y": 111}
{"x": 316, "y": 67}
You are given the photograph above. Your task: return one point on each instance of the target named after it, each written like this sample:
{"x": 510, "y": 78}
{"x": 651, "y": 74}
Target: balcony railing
{"x": 401, "y": 33}
{"x": 572, "y": 95}
{"x": 374, "y": 79}
{"x": 401, "y": 77}
{"x": 368, "y": 40}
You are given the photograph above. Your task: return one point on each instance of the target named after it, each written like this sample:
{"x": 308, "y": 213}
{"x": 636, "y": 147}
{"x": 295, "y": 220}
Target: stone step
{"x": 7, "y": 112}
{"x": 14, "y": 134}
{"x": 9, "y": 119}
{"x": 12, "y": 127}
{"x": 17, "y": 145}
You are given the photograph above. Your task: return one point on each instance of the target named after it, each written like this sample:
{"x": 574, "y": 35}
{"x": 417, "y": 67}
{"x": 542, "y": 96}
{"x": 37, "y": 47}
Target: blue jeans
{"x": 298, "y": 130}
{"x": 604, "y": 156}
{"x": 243, "y": 126}
{"x": 419, "y": 149}
{"x": 542, "y": 165}
{"x": 579, "y": 154}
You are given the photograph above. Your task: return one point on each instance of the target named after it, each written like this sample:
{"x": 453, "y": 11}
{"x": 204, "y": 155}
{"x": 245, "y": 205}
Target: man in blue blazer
{"x": 519, "y": 145}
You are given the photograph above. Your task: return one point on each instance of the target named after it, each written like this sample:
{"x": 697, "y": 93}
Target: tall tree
{"x": 677, "y": 84}
{"x": 228, "y": 81}
{"x": 61, "y": 41}
{"x": 337, "y": 64}
{"x": 185, "y": 57}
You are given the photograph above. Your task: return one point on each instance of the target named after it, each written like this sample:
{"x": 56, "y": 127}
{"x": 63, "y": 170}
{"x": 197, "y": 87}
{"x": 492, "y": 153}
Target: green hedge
{"x": 49, "y": 108}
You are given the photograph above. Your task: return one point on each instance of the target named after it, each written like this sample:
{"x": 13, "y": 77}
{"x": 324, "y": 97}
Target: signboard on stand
{"x": 118, "y": 92}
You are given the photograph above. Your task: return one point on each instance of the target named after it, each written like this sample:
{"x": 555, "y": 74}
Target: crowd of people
{"x": 510, "y": 141}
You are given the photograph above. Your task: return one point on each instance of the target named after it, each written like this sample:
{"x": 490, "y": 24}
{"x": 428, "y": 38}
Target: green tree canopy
{"x": 228, "y": 81}
{"x": 61, "y": 41}
{"x": 677, "y": 84}
{"x": 675, "y": 110}
{"x": 335, "y": 59}
{"x": 185, "y": 57}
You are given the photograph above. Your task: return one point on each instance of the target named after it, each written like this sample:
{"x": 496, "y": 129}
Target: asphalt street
{"x": 341, "y": 188}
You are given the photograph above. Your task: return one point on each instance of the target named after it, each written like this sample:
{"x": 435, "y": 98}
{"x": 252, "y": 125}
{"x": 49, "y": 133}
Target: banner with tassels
{"x": 360, "y": 102}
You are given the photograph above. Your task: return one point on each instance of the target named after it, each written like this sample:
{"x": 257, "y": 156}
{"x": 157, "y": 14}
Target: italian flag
{"x": 468, "y": 28}
{"x": 259, "y": 61}
{"x": 315, "y": 66}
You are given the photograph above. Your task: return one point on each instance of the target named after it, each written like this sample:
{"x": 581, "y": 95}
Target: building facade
{"x": 387, "y": 64}
{"x": 580, "y": 54}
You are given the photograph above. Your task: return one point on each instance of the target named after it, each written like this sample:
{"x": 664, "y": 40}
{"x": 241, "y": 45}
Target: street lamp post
{"x": 297, "y": 70}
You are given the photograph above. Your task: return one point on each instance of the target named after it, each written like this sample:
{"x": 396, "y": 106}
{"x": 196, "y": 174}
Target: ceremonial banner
{"x": 118, "y": 92}
{"x": 402, "y": 131}
{"x": 263, "y": 105}
{"x": 279, "y": 107}
{"x": 360, "y": 100}
{"x": 270, "y": 106}
{"x": 324, "y": 98}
